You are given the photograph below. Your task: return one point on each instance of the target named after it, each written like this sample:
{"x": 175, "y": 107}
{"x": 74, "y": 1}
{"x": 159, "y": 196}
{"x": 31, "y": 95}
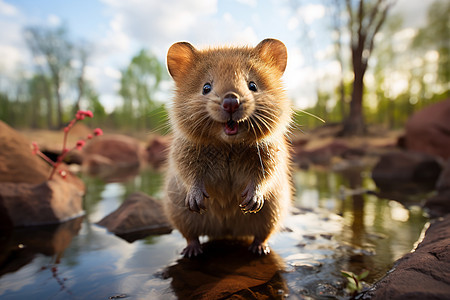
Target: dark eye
{"x": 252, "y": 86}
{"x": 207, "y": 88}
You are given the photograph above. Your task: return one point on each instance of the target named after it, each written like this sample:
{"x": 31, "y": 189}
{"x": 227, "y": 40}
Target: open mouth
{"x": 231, "y": 127}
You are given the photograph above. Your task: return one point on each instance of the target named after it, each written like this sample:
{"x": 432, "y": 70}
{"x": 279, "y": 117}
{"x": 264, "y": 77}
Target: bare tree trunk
{"x": 59, "y": 112}
{"x": 354, "y": 124}
{"x": 363, "y": 25}
{"x": 83, "y": 55}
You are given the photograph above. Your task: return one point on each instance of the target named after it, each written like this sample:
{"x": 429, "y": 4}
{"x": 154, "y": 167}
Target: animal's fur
{"x": 240, "y": 184}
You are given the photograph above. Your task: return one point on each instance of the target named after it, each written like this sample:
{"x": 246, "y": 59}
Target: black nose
{"x": 230, "y": 103}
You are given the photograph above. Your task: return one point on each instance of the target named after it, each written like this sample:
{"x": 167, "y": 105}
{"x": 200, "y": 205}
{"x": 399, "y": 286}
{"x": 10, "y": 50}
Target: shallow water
{"x": 335, "y": 226}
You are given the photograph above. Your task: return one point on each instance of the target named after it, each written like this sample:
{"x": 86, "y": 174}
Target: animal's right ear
{"x": 179, "y": 59}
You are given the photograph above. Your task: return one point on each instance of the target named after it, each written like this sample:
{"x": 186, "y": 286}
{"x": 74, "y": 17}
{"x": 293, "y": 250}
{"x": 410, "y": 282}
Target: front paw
{"x": 253, "y": 199}
{"x": 195, "y": 198}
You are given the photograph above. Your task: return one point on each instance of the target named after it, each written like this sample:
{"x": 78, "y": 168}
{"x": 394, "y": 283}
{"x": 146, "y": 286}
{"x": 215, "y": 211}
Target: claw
{"x": 253, "y": 201}
{"x": 195, "y": 198}
{"x": 259, "y": 248}
{"x": 192, "y": 249}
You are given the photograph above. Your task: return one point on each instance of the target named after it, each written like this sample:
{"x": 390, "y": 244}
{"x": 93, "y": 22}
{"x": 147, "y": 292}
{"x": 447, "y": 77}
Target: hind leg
{"x": 259, "y": 246}
{"x": 193, "y": 248}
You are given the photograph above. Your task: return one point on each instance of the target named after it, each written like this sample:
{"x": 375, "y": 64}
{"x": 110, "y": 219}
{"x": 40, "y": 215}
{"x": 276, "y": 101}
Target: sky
{"x": 118, "y": 29}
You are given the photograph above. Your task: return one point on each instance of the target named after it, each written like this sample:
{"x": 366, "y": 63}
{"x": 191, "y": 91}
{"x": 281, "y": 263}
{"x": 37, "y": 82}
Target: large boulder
{"x": 428, "y": 130}
{"x": 421, "y": 274}
{"x": 404, "y": 166}
{"x": 51, "y": 202}
{"x": 113, "y": 156}
{"x": 439, "y": 204}
{"x": 139, "y": 216}
{"x": 27, "y": 197}
{"x": 17, "y": 163}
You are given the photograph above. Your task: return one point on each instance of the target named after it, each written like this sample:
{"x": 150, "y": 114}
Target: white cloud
{"x": 11, "y": 57}
{"x": 311, "y": 12}
{"x": 13, "y": 50}
{"x": 293, "y": 23}
{"x": 299, "y": 79}
{"x": 158, "y": 22}
{"x": 251, "y": 3}
{"x": 7, "y": 9}
{"x": 53, "y": 20}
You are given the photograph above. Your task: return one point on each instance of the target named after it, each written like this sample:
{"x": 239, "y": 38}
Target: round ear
{"x": 179, "y": 59}
{"x": 273, "y": 52}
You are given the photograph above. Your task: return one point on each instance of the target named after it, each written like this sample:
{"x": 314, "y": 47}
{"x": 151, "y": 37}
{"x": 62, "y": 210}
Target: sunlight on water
{"x": 336, "y": 225}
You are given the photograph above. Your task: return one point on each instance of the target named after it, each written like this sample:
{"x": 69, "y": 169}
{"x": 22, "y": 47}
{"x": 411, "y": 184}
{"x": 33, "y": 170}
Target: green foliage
{"x": 436, "y": 35}
{"x": 140, "y": 80}
{"x": 354, "y": 284}
{"x": 33, "y": 101}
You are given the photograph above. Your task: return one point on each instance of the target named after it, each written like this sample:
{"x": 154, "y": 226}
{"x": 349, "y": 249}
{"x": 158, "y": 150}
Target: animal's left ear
{"x": 273, "y": 52}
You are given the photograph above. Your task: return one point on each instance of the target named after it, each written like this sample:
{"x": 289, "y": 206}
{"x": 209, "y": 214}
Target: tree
{"x": 53, "y": 45}
{"x": 436, "y": 36}
{"x": 139, "y": 82}
{"x": 81, "y": 52}
{"x": 335, "y": 10}
{"x": 39, "y": 90}
{"x": 364, "y": 22}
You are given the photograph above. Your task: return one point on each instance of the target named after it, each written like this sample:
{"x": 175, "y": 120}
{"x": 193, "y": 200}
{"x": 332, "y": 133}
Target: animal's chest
{"x": 229, "y": 166}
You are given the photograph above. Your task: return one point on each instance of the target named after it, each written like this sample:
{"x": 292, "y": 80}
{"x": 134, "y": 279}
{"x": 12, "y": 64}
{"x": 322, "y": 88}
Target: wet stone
{"x": 307, "y": 267}
{"x": 326, "y": 236}
{"x": 326, "y": 290}
{"x": 309, "y": 237}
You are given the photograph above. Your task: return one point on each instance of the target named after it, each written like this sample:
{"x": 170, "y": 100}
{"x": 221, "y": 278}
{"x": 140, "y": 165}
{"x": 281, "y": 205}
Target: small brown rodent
{"x": 229, "y": 167}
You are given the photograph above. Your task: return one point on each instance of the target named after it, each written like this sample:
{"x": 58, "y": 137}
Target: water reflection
{"x": 339, "y": 224}
{"x": 375, "y": 231}
{"x": 228, "y": 270}
{"x": 23, "y": 246}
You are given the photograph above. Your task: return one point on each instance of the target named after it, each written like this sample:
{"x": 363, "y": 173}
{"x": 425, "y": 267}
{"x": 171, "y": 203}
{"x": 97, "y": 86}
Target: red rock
{"x": 439, "y": 204}
{"x": 428, "y": 130}
{"x": 443, "y": 182}
{"x": 50, "y": 202}
{"x": 120, "y": 149}
{"x": 139, "y": 215}
{"x": 26, "y": 196}
{"x": 17, "y": 163}
{"x": 422, "y": 274}
{"x": 157, "y": 150}
{"x": 111, "y": 156}
{"x": 405, "y": 166}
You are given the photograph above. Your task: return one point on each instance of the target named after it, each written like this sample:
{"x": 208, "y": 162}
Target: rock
{"x": 139, "y": 216}
{"x": 227, "y": 270}
{"x": 439, "y": 204}
{"x": 53, "y": 201}
{"x": 120, "y": 149}
{"x": 157, "y": 150}
{"x": 322, "y": 154}
{"x": 422, "y": 274}
{"x": 443, "y": 182}
{"x": 27, "y": 198}
{"x": 17, "y": 163}
{"x": 111, "y": 156}
{"x": 405, "y": 166}
{"x": 428, "y": 130}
